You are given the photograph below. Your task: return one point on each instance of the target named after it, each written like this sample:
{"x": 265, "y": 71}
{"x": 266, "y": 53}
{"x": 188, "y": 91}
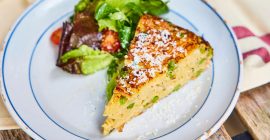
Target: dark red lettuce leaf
{"x": 83, "y": 31}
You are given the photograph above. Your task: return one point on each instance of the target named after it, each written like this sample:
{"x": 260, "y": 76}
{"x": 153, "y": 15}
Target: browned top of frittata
{"x": 156, "y": 42}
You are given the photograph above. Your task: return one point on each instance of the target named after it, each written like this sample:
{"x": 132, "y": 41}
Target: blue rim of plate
{"x": 65, "y": 129}
{"x": 222, "y": 118}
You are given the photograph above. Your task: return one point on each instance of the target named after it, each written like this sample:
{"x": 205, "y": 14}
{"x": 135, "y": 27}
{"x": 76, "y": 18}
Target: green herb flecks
{"x": 171, "y": 67}
{"x": 177, "y": 88}
{"x": 130, "y": 106}
{"x": 146, "y": 105}
{"x": 202, "y": 49}
{"x": 155, "y": 99}
{"x": 122, "y": 100}
{"x": 198, "y": 73}
{"x": 123, "y": 73}
{"x": 202, "y": 61}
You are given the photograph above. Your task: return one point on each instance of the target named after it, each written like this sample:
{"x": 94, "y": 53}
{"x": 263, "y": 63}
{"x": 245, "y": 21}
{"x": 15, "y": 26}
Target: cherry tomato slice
{"x": 110, "y": 41}
{"x": 56, "y": 36}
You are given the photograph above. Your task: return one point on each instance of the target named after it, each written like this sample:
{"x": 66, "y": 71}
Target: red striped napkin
{"x": 250, "y": 20}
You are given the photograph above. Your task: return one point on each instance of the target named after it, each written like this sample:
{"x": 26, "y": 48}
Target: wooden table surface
{"x": 253, "y": 108}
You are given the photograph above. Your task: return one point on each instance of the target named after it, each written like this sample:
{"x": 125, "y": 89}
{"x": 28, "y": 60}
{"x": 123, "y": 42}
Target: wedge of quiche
{"x": 162, "y": 58}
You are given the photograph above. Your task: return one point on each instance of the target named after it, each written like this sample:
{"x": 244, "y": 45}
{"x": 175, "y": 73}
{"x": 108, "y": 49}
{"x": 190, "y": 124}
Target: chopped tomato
{"x": 56, "y": 36}
{"x": 110, "y": 41}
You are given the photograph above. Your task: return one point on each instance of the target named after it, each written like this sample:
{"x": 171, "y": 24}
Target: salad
{"x": 98, "y": 35}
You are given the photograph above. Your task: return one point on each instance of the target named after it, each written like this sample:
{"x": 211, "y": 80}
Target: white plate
{"x": 49, "y": 103}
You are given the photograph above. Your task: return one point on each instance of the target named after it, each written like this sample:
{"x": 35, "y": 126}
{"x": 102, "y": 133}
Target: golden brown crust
{"x": 156, "y": 42}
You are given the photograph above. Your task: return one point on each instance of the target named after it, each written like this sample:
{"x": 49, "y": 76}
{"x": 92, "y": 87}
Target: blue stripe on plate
{"x": 34, "y": 6}
{"x": 50, "y": 118}
{"x": 237, "y": 50}
{"x": 3, "y": 63}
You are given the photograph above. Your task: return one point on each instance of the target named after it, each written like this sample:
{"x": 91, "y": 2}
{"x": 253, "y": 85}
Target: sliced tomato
{"x": 56, "y": 36}
{"x": 110, "y": 41}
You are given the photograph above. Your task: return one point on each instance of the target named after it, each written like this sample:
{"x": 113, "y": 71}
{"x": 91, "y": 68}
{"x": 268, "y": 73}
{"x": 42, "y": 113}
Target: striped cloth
{"x": 250, "y": 22}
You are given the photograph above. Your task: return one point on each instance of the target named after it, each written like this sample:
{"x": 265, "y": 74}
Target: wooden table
{"x": 253, "y": 108}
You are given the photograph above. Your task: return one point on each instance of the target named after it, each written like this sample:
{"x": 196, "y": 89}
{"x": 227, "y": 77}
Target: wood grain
{"x": 16, "y": 134}
{"x": 253, "y": 109}
{"x": 221, "y": 134}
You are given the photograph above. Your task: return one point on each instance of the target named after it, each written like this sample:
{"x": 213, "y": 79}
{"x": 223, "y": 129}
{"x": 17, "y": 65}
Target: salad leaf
{"x": 154, "y": 7}
{"x": 125, "y": 34}
{"x": 82, "y": 5}
{"x": 112, "y": 69}
{"x": 123, "y": 16}
{"x": 107, "y": 23}
{"x": 133, "y": 12}
{"x": 113, "y": 72}
{"x": 132, "y": 7}
{"x": 110, "y": 87}
{"x": 121, "y": 54}
{"x": 120, "y": 3}
{"x": 91, "y": 60}
{"x": 118, "y": 16}
{"x": 104, "y": 10}
{"x": 92, "y": 64}
{"x": 80, "y": 52}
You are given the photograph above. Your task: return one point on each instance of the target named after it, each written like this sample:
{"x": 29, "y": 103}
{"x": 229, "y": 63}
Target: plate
{"x": 49, "y": 103}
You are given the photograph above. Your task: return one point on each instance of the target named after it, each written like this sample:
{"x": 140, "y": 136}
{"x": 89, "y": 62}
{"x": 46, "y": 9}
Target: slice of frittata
{"x": 162, "y": 58}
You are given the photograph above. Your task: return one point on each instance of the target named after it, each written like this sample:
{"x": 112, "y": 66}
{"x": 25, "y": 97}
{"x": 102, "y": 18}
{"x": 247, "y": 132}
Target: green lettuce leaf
{"x": 104, "y": 10}
{"x": 120, "y": 3}
{"x": 107, "y": 23}
{"x": 123, "y": 16}
{"x": 154, "y": 7}
{"x": 112, "y": 73}
{"x": 91, "y": 60}
{"x": 119, "y": 16}
{"x": 125, "y": 34}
